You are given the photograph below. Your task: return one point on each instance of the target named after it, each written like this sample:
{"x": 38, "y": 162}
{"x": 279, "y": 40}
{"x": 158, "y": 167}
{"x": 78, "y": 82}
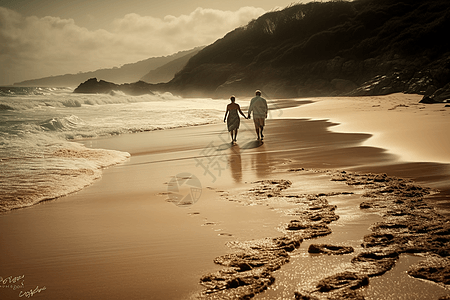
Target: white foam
{"x": 39, "y": 158}
{"x": 48, "y": 169}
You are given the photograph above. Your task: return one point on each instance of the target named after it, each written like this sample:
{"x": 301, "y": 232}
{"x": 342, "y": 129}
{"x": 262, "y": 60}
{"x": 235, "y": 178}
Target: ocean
{"x": 40, "y": 158}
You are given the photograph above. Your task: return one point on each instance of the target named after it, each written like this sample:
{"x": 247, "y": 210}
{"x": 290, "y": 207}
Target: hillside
{"x": 363, "y": 47}
{"x": 127, "y": 73}
{"x": 328, "y": 48}
{"x": 166, "y": 72}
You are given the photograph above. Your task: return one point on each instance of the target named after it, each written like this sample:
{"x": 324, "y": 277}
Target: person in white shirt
{"x": 258, "y": 105}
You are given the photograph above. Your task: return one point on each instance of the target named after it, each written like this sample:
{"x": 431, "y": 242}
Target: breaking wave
{"x": 39, "y": 156}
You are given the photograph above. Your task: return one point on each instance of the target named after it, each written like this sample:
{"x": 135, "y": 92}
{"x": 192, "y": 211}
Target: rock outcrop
{"x": 249, "y": 269}
{"x": 94, "y": 86}
{"x": 441, "y": 95}
{"x": 329, "y": 249}
{"x": 434, "y": 268}
{"x": 409, "y": 226}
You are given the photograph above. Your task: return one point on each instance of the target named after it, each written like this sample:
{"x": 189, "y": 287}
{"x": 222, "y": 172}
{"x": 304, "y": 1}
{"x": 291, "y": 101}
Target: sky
{"x": 40, "y": 38}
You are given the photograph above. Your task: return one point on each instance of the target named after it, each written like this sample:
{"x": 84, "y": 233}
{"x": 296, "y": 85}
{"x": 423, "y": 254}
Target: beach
{"x": 152, "y": 227}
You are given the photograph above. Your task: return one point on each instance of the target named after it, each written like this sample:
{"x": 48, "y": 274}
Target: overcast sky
{"x": 40, "y": 38}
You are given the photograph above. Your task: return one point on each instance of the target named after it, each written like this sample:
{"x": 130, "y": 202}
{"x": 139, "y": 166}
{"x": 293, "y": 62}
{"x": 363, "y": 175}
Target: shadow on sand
{"x": 252, "y": 144}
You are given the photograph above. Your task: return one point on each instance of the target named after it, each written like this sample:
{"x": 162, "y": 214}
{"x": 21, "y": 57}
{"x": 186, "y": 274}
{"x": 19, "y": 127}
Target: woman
{"x": 233, "y": 120}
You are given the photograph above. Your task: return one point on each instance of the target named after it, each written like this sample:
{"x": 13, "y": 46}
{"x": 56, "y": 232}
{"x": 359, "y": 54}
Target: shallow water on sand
{"x": 396, "y": 284}
{"x": 305, "y": 270}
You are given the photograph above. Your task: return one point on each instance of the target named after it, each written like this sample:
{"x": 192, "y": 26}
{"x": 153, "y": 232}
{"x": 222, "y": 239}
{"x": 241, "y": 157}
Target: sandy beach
{"x": 154, "y": 226}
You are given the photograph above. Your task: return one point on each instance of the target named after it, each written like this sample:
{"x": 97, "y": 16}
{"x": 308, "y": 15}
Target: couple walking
{"x": 258, "y": 105}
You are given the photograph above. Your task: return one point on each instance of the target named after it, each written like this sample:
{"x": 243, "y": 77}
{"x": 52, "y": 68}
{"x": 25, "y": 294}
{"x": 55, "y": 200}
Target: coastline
{"x": 413, "y": 131}
{"x": 126, "y": 225}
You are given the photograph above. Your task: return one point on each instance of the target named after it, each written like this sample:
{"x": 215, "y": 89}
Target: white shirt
{"x": 259, "y": 107}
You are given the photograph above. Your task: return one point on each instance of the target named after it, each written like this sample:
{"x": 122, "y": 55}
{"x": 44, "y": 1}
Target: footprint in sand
{"x": 225, "y": 234}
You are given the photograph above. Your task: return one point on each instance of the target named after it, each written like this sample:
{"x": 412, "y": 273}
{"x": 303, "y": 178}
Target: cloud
{"x": 32, "y": 47}
{"x": 170, "y": 34}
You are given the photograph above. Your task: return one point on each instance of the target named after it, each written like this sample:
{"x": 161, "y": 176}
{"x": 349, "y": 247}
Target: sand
{"x": 130, "y": 236}
{"x": 399, "y": 123}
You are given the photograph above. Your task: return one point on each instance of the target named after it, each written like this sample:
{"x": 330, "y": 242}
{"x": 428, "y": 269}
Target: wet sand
{"x": 129, "y": 236}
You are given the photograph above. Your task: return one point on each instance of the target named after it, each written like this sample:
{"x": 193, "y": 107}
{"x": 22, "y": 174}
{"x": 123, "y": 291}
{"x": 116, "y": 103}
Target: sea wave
{"x": 65, "y": 123}
{"x": 6, "y": 107}
{"x": 71, "y": 103}
{"x": 13, "y": 98}
{"x": 40, "y": 168}
{"x": 32, "y": 91}
{"x": 40, "y": 158}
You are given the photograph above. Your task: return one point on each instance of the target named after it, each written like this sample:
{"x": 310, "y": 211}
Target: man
{"x": 258, "y": 105}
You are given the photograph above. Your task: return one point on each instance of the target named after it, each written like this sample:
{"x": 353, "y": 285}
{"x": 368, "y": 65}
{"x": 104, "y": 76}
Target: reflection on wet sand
{"x": 235, "y": 163}
{"x": 260, "y": 162}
